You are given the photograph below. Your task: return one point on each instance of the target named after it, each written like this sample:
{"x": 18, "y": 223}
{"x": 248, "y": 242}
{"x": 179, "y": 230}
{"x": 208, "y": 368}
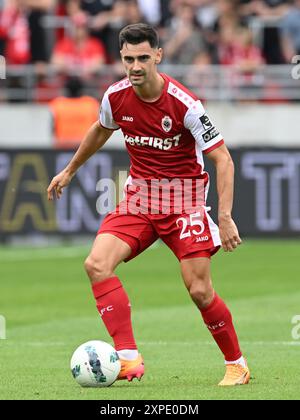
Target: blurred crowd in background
{"x": 81, "y": 36}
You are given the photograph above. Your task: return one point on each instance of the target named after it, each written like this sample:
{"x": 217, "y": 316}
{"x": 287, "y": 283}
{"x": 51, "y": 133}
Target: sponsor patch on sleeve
{"x": 206, "y": 122}
{"x": 210, "y": 134}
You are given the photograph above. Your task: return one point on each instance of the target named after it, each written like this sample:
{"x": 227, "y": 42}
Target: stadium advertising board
{"x": 267, "y": 192}
{"x": 25, "y": 210}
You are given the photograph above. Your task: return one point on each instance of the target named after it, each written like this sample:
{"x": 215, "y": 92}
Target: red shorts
{"x": 187, "y": 235}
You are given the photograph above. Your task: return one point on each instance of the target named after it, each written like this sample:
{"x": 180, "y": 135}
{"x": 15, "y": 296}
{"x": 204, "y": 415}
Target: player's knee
{"x": 201, "y": 292}
{"x": 97, "y": 270}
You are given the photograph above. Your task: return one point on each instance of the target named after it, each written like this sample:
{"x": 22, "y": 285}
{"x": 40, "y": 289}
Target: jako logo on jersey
{"x": 156, "y": 142}
{"x": 125, "y": 118}
{"x": 107, "y": 309}
{"x": 166, "y": 123}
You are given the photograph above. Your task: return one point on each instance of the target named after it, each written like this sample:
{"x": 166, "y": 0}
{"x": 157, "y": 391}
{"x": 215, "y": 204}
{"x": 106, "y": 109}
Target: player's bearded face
{"x": 140, "y": 62}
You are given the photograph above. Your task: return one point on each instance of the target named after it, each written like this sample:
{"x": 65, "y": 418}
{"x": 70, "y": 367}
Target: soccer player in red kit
{"x": 166, "y": 131}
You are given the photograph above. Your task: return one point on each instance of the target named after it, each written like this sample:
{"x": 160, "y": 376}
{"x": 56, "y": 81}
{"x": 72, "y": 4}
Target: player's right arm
{"x": 95, "y": 138}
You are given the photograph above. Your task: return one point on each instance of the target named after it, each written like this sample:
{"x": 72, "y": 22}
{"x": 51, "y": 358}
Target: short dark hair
{"x": 138, "y": 33}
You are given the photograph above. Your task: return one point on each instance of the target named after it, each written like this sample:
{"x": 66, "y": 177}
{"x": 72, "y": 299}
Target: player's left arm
{"x": 222, "y": 160}
{"x": 211, "y": 143}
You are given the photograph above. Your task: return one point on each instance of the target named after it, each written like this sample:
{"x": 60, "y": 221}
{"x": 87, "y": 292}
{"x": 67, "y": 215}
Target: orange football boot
{"x": 235, "y": 375}
{"x": 132, "y": 369}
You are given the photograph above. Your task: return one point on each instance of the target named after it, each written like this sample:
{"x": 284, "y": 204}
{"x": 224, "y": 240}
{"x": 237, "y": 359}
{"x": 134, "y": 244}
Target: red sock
{"x": 218, "y": 320}
{"x": 114, "y": 308}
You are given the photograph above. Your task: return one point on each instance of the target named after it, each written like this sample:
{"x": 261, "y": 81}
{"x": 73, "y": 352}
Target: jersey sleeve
{"x": 202, "y": 128}
{"x": 106, "y": 117}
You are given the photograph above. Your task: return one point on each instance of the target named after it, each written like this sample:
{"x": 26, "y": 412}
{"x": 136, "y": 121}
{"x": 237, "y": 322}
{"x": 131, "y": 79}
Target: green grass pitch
{"x": 49, "y": 309}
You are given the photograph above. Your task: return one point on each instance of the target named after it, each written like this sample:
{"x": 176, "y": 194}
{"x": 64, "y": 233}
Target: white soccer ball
{"x": 95, "y": 364}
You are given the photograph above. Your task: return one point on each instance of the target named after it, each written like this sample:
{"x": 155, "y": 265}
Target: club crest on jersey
{"x": 166, "y": 123}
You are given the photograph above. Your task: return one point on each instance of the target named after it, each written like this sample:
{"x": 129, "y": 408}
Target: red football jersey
{"x": 165, "y": 138}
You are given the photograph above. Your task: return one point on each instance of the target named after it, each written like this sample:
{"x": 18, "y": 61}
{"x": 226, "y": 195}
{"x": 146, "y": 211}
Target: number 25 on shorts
{"x": 187, "y": 223}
